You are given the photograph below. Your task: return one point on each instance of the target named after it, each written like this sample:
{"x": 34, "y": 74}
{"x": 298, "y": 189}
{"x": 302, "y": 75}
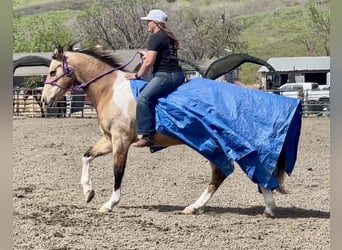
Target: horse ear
{"x": 71, "y": 46}
{"x": 58, "y": 53}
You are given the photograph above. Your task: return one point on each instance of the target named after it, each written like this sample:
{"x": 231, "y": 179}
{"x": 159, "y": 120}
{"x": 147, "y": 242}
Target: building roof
{"x": 309, "y": 63}
{"x": 29, "y": 70}
{"x": 123, "y": 55}
{"x": 47, "y": 55}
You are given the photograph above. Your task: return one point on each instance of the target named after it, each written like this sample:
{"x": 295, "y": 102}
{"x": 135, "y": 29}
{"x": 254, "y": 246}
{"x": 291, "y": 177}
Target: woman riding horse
{"x": 221, "y": 121}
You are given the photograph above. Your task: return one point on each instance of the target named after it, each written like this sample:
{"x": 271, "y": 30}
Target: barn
{"x": 299, "y": 69}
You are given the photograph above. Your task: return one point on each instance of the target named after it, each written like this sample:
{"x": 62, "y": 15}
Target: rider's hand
{"x": 142, "y": 54}
{"x": 131, "y": 76}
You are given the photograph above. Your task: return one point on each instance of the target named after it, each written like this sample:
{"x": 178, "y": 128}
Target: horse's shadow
{"x": 281, "y": 212}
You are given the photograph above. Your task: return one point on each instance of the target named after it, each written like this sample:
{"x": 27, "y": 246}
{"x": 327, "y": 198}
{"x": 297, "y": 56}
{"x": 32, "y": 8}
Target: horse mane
{"x": 105, "y": 56}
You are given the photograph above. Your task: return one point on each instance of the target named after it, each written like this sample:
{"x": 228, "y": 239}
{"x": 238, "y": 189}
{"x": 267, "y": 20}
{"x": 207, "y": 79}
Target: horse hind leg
{"x": 279, "y": 174}
{"x": 217, "y": 178}
{"x": 269, "y": 202}
{"x": 102, "y": 147}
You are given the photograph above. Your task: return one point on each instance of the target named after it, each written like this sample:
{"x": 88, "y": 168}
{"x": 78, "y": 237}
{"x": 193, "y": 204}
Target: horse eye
{"x": 53, "y": 73}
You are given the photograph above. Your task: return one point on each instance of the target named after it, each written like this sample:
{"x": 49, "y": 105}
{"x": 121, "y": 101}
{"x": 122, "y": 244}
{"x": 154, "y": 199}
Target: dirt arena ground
{"x": 49, "y": 211}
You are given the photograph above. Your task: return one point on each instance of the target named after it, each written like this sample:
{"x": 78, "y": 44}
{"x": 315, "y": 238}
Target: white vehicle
{"x": 295, "y": 86}
{"x": 307, "y": 91}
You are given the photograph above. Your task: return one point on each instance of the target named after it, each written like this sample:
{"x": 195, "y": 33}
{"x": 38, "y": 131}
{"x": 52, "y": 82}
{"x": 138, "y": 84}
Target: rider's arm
{"x": 148, "y": 62}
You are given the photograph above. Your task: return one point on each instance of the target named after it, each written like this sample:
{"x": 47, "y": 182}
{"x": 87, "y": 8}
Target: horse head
{"x": 26, "y": 93}
{"x": 74, "y": 70}
{"x": 59, "y": 79}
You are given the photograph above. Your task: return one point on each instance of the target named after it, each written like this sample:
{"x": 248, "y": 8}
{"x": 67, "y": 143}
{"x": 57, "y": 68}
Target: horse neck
{"x": 87, "y": 68}
{"x": 110, "y": 92}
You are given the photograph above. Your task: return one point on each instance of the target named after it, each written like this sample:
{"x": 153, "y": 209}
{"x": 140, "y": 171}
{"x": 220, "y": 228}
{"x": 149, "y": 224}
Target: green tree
{"x": 318, "y": 13}
{"x": 34, "y": 82}
{"x": 38, "y": 34}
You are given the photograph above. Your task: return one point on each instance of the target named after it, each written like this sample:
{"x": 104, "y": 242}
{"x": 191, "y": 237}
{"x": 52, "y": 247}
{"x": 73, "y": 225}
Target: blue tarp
{"x": 225, "y": 123}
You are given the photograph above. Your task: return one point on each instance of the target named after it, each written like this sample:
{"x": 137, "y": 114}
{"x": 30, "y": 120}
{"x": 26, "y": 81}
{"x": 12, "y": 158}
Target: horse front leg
{"x": 217, "y": 178}
{"x": 269, "y": 201}
{"x": 120, "y": 152}
{"x": 102, "y": 147}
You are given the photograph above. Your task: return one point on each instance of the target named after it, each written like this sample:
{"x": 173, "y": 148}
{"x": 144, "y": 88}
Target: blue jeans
{"x": 160, "y": 85}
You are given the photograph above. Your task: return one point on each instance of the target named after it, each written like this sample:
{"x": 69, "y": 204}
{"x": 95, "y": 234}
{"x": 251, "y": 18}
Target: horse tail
{"x": 280, "y": 171}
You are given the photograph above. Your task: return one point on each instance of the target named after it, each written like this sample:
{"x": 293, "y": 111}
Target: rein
{"x": 68, "y": 71}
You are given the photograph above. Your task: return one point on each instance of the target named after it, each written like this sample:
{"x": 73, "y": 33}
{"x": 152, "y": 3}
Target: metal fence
{"x": 77, "y": 104}
{"x": 314, "y": 103}
{"x": 74, "y": 104}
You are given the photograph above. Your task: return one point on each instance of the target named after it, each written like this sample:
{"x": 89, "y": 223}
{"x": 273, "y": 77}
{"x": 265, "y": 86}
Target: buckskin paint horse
{"x": 103, "y": 80}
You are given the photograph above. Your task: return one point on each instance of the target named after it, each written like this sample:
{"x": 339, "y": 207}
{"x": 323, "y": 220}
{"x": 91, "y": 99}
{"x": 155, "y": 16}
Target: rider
{"x": 161, "y": 55}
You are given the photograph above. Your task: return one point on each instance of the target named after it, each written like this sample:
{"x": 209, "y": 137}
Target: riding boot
{"x": 145, "y": 141}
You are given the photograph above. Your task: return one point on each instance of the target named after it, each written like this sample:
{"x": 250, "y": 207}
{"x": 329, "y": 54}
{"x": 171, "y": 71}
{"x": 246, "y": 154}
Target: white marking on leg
{"x": 199, "y": 203}
{"x": 85, "y": 179}
{"x": 269, "y": 201}
{"x": 114, "y": 199}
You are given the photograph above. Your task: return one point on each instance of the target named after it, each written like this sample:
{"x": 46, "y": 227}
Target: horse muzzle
{"x": 47, "y": 102}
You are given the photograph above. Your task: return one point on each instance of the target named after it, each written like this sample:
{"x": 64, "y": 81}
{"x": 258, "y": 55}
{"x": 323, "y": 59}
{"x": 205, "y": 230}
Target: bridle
{"x": 68, "y": 71}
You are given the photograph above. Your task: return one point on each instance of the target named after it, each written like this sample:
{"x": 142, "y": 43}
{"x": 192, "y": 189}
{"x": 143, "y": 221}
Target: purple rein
{"x": 68, "y": 71}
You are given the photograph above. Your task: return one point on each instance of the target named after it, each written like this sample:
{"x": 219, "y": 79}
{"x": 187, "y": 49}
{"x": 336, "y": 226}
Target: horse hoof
{"x": 269, "y": 216}
{"x": 269, "y": 213}
{"x": 89, "y": 195}
{"x": 188, "y": 210}
{"x": 104, "y": 210}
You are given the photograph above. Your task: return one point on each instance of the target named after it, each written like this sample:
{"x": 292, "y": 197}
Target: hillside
{"x": 271, "y": 28}
{"x": 35, "y": 7}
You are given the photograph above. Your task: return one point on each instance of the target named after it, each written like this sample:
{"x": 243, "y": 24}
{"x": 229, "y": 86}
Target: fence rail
{"x": 314, "y": 103}
{"x": 73, "y": 105}
{"x": 78, "y": 105}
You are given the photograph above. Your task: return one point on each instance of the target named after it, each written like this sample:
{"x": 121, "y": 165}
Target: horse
{"x": 103, "y": 79}
{"x": 36, "y": 94}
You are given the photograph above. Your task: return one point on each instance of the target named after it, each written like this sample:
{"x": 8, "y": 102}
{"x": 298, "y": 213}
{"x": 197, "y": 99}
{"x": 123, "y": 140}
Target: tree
{"x": 34, "y": 82}
{"x": 116, "y": 25}
{"x": 319, "y": 23}
{"x": 38, "y": 34}
{"x": 206, "y": 34}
